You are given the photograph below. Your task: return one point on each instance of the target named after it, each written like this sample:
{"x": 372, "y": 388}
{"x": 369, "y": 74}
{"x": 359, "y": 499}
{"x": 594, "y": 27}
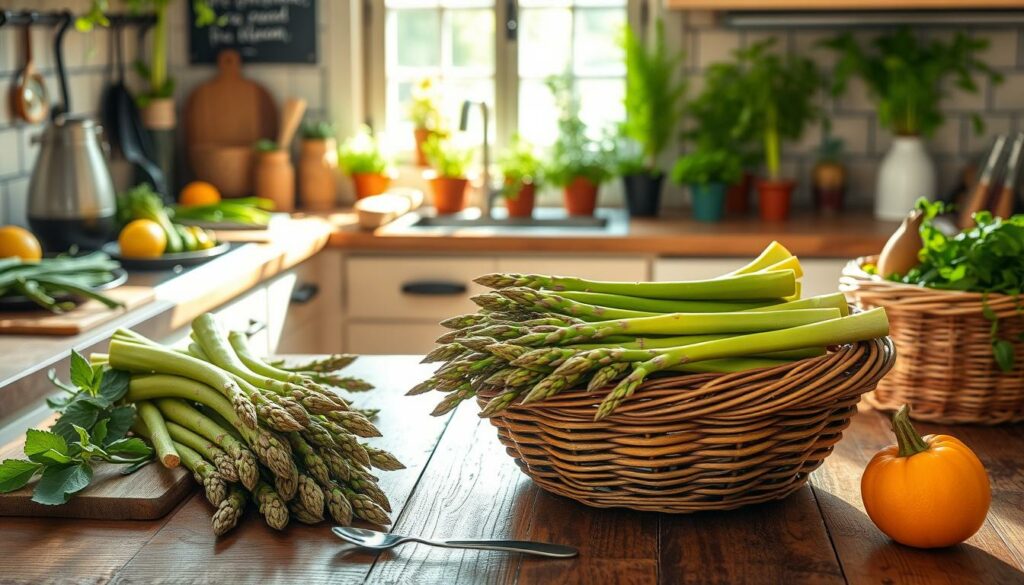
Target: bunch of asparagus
{"x": 252, "y": 431}
{"x": 536, "y": 336}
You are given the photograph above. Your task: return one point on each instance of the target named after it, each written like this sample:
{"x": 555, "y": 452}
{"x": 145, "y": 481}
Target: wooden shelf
{"x": 767, "y": 5}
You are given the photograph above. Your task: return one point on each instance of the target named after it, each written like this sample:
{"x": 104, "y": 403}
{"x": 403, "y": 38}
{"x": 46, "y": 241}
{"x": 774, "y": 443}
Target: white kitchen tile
{"x": 807, "y": 43}
{"x": 1009, "y": 95}
{"x": 949, "y": 136}
{"x": 10, "y": 162}
{"x": 861, "y": 175}
{"x": 853, "y": 131}
{"x": 16, "y": 202}
{"x": 177, "y": 46}
{"x": 856, "y": 98}
{"x": 1002, "y": 48}
{"x": 86, "y": 91}
{"x": 3, "y": 210}
{"x": 28, "y": 137}
{"x": 781, "y": 46}
{"x": 808, "y": 143}
{"x": 701, "y": 19}
{"x": 306, "y": 81}
{"x": 714, "y": 46}
{"x": 42, "y": 47}
{"x": 994, "y": 125}
{"x": 10, "y": 60}
{"x": 960, "y": 100}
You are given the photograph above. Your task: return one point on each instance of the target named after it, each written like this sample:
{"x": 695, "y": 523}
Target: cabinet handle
{"x": 255, "y": 326}
{"x": 304, "y": 293}
{"x": 434, "y": 288}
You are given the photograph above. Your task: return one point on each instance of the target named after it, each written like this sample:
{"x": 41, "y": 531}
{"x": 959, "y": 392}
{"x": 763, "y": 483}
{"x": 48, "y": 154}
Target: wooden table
{"x": 459, "y": 482}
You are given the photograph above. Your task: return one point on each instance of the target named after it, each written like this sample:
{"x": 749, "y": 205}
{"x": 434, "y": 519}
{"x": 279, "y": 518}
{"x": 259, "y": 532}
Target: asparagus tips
{"x": 463, "y": 321}
{"x": 545, "y": 356}
{"x": 606, "y": 375}
{"x": 311, "y": 460}
{"x": 365, "y": 508}
{"x": 311, "y": 496}
{"x": 287, "y": 485}
{"x": 229, "y": 511}
{"x": 274, "y": 415}
{"x": 383, "y": 460}
{"x": 246, "y": 466}
{"x": 444, "y": 353}
{"x": 500, "y": 402}
{"x": 355, "y": 423}
{"x": 303, "y": 514}
{"x": 225, "y": 467}
{"x": 345, "y": 382}
{"x": 368, "y": 488}
{"x": 453, "y": 399}
{"x": 245, "y": 410}
{"x": 331, "y": 363}
{"x": 338, "y": 505}
{"x": 335, "y": 463}
{"x": 494, "y": 302}
{"x": 273, "y": 508}
{"x": 273, "y": 452}
{"x": 506, "y": 351}
{"x": 499, "y": 280}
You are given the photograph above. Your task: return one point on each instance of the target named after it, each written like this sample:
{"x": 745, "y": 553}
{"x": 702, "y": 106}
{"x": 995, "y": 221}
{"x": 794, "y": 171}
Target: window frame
{"x": 506, "y": 64}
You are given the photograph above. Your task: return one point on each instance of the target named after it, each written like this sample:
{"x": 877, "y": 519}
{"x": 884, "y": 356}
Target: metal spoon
{"x": 383, "y": 541}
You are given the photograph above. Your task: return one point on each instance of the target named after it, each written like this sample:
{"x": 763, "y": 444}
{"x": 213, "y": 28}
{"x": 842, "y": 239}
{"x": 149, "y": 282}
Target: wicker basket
{"x": 946, "y": 371}
{"x": 690, "y": 443}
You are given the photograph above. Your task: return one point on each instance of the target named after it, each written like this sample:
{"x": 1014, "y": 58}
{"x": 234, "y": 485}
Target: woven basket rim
{"x": 854, "y": 271}
{"x": 658, "y": 391}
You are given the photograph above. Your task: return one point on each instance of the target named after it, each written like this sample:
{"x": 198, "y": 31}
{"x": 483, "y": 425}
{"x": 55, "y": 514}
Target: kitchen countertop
{"x": 460, "y": 483}
{"x": 846, "y": 236}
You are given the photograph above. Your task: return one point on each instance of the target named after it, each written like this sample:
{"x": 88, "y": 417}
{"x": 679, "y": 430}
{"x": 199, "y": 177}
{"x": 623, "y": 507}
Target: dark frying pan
{"x": 28, "y": 96}
{"x": 124, "y": 125}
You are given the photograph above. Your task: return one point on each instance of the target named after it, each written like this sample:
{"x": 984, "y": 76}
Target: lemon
{"x": 142, "y": 238}
{"x": 18, "y": 241}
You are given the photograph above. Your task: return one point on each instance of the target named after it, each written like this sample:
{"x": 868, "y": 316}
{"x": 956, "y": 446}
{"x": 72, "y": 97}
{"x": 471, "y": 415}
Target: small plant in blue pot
{"x": 709, "y": 172}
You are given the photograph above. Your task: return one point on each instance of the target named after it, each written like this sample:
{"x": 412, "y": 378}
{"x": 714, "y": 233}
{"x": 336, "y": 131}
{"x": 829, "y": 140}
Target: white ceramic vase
{"x": 907, "y": 173}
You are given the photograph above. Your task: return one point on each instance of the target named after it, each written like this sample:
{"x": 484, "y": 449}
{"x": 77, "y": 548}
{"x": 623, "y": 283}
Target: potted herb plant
{"x": 708, "y": 172}
{"x": 448, "y": 181}
{"x": 779, "y": 92}
{"x": 717, "y": 127}
{"x": 425, "y": 113}
{"x": 318, "y": 164}
{"x": 521, "y": 170}
{"x": 361, "y": 158}
{"x": 579, "y": 163}
{"x": 828, "y": 177}
{"x": 906, "y": 76}
{"x": 652, "y": 102}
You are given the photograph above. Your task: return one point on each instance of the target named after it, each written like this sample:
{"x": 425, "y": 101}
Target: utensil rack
{"x": 63, "y": 20}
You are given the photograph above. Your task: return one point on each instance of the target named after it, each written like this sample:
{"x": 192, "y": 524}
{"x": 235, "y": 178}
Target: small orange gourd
{"x": 926, "y": 492}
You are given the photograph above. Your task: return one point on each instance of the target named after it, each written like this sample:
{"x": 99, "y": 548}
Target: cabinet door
{"x": 305, "y": 307}
{"x": 391, "y": 338}
{"x": 821, "y": 275}
{"x": 626, "y": 269}
{"x": 245, "y": 313}
{"x": 671, "y": 269}
{"x": 412, "y": 289}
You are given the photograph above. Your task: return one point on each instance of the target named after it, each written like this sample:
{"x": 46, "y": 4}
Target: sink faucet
{"x": 487, "y": 201}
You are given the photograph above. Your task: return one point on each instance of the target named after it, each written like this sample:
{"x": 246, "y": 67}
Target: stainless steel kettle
{"x": 71, "y": 197}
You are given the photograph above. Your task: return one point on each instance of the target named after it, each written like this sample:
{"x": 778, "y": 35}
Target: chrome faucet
{"x": 489, "y": 194}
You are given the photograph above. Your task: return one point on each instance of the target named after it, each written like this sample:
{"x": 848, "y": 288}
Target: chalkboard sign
{"x": 262, "y": 31}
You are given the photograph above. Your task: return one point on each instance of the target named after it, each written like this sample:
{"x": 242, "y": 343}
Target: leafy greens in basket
{"x": 988, "y": 258}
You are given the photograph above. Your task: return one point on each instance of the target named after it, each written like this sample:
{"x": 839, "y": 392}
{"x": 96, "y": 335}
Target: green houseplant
{"x": 708, "y": 171}
{"x": 361, "y": 158}
{"x": 521, "y": 170}
{"x": 579, "y": 163}
{"x": 653, "y": 102}
{"x": 907, "y": 77}
{"x": 779, "y": 92}
{"x": 425, "y": 114}
{"x": 448, "y": 180}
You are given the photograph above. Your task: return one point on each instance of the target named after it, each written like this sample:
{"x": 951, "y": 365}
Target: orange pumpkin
{"x": 926, "y": 492}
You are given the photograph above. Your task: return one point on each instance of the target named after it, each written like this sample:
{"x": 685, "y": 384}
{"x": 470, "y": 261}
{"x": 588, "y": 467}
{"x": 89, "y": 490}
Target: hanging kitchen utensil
{"x": 1007, "y": 196}
{"x": 124, "y": 125}
{"x": 979, "y": 197}
{"x": 29, "y": 98}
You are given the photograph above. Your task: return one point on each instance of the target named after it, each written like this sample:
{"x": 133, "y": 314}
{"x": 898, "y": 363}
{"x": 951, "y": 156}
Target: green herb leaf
{"x": 78, "y": 413}
{"x": 114, "y": 385}
{"x": 989, "y": 313}
{"x": 99, "y": 431}
{"x": 131, "y": 448}
{"x": 121, "y": 419}
{"x": 15, "y": 473}
{"x": 1003, "y": 352}
{"x": 58, "y": 484}
{"x": 83, "y": 436}
{"x": 38, "y": 442}
{"x": 81, "y": 371}
{"x": 52, "y": 376}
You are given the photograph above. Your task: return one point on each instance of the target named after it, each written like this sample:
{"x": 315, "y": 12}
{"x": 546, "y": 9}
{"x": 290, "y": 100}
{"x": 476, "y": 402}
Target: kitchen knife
{"x": 978, "y": 198}
{"x": 1006, "y": 197}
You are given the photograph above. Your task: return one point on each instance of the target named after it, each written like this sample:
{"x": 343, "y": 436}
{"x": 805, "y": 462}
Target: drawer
{"x": 821, "y": 276}
{"x": 393, "y": 288}
{"x": 626, "y": 269}
{"x": 382, "y": 338}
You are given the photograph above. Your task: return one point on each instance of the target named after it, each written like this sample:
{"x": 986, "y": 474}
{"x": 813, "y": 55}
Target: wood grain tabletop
{"x": 460, "y": 483}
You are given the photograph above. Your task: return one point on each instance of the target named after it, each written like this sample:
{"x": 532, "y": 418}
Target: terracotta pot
{"x": 449, "y": 194}
{"x": 159, "y": 114}
{"x": 737, "y": 197}
{"x": 422, "y": 134}
{"x": 368, "y": 184}
{"x": 580, "y": 196}
{"x": 521, "y": 204}
{"x": 275, "y": 179}
{"x": 318, "y": 164}
{"x": 774, "y": 198}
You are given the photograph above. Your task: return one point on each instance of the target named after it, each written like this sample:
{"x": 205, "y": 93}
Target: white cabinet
{"x": 305, "y": 307}
{"x": 247, "y": 312}
{"x": 821, "y": 275}
{"x": 393, "y": 304}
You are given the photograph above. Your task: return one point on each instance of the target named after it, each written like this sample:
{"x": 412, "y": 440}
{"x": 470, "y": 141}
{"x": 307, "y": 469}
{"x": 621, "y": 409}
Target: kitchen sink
{"x": 547, "y": 221}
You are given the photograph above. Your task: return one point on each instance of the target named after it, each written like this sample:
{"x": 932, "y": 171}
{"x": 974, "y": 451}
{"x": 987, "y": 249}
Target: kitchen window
{"x": 499, "y": 52}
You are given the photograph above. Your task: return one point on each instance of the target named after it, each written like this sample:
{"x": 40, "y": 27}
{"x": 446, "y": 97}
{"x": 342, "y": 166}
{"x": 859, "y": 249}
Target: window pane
{"x": 597, "y": 50}
{"x": 538, "y": 115}
{"x": 472, "y": 39}
{"x": 601, "y": 103}
{"x": 545, "y": 44}
{"x": 416, "y": 41}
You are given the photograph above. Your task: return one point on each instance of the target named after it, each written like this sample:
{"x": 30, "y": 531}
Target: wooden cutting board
{"x": 229, "y": 110}
{"x": 149, "y": 493}
{"x": 83, "y": 318}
